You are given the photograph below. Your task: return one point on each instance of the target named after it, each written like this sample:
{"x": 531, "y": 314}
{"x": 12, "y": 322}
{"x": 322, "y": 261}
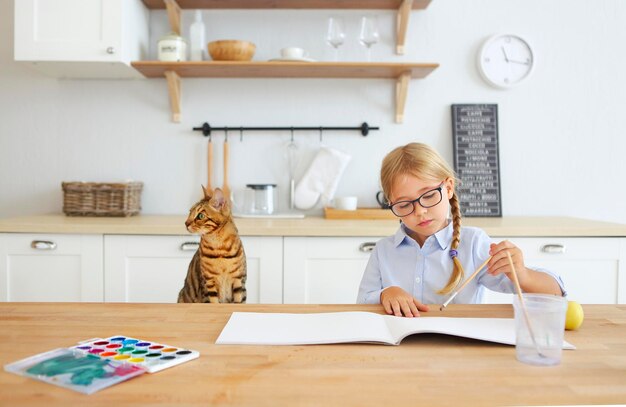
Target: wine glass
{"x": 369, "y": 34}
{"x": 336, "y": 34}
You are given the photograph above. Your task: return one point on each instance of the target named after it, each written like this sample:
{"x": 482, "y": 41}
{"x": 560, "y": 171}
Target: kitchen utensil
{"x": 225, "y": 186}
{"x": 261, "y": 198}
{"x": 209, "y": 164}
{"x": 292, "y": 149}
{"x": 231, "y": 50}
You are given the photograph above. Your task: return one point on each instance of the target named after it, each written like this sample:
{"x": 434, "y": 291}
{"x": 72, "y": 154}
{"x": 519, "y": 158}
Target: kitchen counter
{"x": 309, "y": 226}
{"x": 425, "y": 369}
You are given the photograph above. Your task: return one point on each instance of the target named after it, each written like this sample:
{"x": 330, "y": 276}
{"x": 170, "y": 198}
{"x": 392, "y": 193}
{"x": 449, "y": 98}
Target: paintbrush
{"x": 445, "y": 304}
{"x": 523, "y": 304}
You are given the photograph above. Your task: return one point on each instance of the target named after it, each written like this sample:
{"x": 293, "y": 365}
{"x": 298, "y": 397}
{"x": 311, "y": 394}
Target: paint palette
{"x": 67, "y": 368}
{"x": 152, "y": 356}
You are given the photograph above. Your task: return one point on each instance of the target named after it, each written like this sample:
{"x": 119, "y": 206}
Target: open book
{"x": 252, "y": 328}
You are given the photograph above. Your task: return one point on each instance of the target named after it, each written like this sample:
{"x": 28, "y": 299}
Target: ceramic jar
{"x": 172, "y": 48}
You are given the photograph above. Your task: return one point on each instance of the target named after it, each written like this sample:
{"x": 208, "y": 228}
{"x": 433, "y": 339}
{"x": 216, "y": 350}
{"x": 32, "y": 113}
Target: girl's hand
{"x": 499, "y": 262}
{"x": 398, "y": 302}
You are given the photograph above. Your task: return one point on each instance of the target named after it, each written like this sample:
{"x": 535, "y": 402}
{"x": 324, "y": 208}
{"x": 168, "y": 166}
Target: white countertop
{"x": 309, "y": 226}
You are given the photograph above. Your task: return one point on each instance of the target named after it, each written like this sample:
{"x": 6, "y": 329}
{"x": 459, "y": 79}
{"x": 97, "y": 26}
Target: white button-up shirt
{"x": 398, "y": 260}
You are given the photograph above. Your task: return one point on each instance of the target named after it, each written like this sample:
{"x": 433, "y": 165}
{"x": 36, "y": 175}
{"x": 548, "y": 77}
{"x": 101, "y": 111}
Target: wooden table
{"x": 424, "y": 370}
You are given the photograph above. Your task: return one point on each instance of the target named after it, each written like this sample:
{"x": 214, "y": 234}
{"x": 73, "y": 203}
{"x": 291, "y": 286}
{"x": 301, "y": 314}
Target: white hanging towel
{"x": 320, "y": 180}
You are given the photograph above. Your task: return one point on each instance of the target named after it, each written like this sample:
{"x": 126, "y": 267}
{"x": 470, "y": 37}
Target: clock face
{"x": 505, "y": 60}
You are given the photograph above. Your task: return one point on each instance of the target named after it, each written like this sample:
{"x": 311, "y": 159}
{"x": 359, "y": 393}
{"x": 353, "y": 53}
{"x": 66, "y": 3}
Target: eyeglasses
{"x": 427, "y": 200}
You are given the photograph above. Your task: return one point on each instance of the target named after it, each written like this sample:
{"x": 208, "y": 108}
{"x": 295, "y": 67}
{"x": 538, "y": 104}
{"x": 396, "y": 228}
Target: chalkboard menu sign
{"x": 476, "y": 161}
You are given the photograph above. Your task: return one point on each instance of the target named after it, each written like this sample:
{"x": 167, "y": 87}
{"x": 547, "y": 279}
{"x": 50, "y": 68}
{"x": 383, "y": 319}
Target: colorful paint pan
{"x": 150, "y": 355}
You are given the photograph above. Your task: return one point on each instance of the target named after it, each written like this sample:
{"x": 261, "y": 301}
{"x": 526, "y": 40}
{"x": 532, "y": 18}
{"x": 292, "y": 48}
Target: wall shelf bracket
{"x": 173, "y": 87}
{"x": 173, "y": 14}
{"x": 404, "y": 12}
{"x": 402, "y": 89}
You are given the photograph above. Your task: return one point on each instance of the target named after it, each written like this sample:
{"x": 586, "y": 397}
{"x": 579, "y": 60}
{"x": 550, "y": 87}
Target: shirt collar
{"x": 443, "y": 237}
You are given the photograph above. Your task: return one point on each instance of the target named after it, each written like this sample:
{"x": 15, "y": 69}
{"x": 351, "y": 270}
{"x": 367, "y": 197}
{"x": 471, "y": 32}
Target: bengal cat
{"x": 217, "y": 272}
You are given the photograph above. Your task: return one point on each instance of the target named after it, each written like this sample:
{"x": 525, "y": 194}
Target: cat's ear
{"x": 206, "y": 192}
{"x": 218, "y": 201}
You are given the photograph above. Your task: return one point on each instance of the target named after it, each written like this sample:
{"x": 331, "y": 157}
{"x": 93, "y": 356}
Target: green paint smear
{"x": 83, "y": 370}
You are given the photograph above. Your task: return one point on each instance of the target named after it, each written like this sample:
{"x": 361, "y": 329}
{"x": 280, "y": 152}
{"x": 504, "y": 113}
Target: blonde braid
{"x": 458, "y": 274}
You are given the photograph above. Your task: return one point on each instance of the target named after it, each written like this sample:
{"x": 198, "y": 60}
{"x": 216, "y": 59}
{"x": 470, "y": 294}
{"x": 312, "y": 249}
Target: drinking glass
{"x": 369, "y": 34}
{"x": 336, "y": 34}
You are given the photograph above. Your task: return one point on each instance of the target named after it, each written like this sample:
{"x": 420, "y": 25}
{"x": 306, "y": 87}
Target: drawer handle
{"x": 43, "y": 245}
{"x": 367, "y": 247}
{"x": 553, "y": 248}
{"x": 189, "y": 246}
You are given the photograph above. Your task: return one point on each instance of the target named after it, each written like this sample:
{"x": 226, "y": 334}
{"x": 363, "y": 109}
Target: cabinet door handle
{"x": 367, "y": 247}
{"x": 110, "y": 50}
{"x": 553, "y": 248}
{"x": 43, "y": 245}
{"x": 189, "y": 246}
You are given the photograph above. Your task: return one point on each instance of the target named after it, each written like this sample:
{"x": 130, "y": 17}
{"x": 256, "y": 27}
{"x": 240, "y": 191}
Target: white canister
{"x": 172, "y": 48}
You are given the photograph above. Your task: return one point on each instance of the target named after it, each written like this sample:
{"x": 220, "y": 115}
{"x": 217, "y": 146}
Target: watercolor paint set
{"x": 97, "y": 363}
{"x": 75, "y": 371}
{"x": 152, "y": 356}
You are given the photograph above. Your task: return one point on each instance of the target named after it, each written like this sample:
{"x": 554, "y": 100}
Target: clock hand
{"x": 506, "y": 58}
{"x": 519, "y": 62}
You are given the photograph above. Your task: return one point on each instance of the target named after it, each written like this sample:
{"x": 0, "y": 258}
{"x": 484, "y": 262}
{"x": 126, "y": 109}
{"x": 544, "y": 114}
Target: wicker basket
{"x": 101, "y": 199}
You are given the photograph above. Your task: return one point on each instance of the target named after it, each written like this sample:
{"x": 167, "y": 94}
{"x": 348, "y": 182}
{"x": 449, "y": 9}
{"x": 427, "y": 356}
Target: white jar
{"x": 172, "y": 48}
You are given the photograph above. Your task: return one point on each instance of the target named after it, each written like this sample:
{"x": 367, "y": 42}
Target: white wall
{"x": 562, "y": 143}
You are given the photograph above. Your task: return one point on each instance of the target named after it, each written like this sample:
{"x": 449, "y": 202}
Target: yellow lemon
{"x": 574, "y": 316}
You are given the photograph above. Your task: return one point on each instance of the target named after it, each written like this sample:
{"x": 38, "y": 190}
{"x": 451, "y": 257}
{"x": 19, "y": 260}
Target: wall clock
{"x": 505, "y": 60}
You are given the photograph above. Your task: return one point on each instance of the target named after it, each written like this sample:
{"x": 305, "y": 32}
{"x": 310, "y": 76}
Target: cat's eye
{"x": 200, "y": 216}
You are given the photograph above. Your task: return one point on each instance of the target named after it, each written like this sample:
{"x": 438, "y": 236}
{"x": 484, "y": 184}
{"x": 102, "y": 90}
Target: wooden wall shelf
{"x": 288, "y": 4}
{"x": 173, "y": 71}
{"x": 404, "y": 8}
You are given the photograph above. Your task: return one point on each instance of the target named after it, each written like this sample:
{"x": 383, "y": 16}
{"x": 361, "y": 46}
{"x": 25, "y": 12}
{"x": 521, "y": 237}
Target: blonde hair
{"x": 422, "y": 161}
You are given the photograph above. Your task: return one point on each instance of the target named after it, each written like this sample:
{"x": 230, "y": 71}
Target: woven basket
{"x": 101, "y": 199}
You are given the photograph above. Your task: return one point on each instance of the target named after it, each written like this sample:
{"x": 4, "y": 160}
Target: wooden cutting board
{"x": 359, "y": 213}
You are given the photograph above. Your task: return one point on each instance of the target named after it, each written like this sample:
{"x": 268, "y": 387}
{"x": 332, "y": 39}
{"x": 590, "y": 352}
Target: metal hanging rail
{"x": 206, "y": 129}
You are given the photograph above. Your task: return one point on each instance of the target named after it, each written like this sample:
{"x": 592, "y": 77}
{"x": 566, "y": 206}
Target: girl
{"x": 425, "y": 260}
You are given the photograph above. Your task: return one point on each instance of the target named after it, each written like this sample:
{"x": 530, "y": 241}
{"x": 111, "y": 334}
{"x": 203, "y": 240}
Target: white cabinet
{"x": 289, "y": 269}
{"x": 153, "y": 268}
{"x": 590, "y": 267}
{"x": 51, "y": 267}
{"x": 82, "y": 38}
{"x": 324, "y": 270}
